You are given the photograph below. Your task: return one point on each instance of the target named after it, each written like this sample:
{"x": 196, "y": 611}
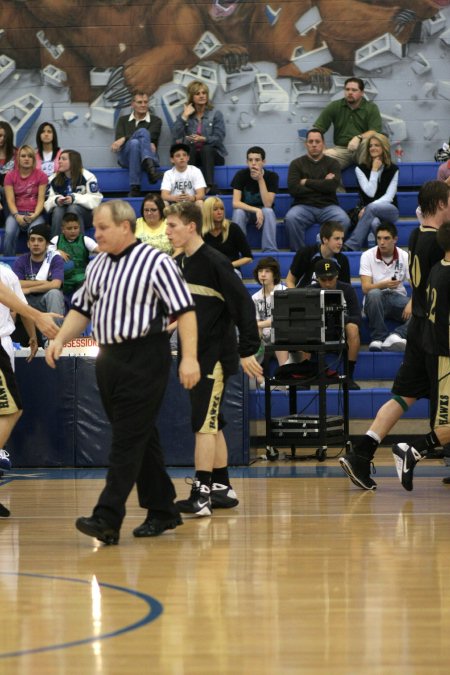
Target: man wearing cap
{"x": 326, "y": 272}
{"x": 41, "y": 272}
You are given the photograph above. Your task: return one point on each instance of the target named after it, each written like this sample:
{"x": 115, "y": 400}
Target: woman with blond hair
{"x": 224, "y": 235}
{"x": 203, "y": 129}
{"x": 25, "y": 187}
{"x": 377, "y": 178}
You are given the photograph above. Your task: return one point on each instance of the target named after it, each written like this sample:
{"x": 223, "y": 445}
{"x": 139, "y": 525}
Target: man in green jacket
{"x": 354, "y": 119}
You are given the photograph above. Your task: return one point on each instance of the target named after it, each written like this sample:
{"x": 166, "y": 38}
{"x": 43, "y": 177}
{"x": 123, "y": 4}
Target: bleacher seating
{"x": 113, "y": 182}
{"x": 411, "y": 176}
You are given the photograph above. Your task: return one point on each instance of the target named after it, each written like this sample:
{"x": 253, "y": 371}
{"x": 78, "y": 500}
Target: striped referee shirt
{"x": 130, "y": 295}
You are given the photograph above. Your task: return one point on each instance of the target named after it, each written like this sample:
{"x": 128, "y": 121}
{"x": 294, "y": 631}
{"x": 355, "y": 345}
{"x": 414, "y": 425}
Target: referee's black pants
{"x": 132, "y": 377}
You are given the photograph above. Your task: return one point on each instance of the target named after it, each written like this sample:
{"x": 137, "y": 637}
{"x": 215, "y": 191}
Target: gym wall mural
{"x": 270, "y": 67}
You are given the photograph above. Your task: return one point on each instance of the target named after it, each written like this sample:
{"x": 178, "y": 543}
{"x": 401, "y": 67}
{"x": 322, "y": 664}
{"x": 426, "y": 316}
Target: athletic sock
{"x": 366, "y": 447}
{"x": 427, "y": 443}
{"x": 221, "y": 476}
{"x": 204, "y": 477}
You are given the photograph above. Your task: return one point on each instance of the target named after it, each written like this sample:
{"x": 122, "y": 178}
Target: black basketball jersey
{"x": 424, "y": 252}
{"x": 436, "y": 332}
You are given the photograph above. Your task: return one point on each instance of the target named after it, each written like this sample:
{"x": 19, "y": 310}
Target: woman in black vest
{"x": 377, "y": 178}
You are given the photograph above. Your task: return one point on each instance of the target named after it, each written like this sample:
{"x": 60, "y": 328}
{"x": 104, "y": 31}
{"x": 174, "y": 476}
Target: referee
{"x": 129, "y": 292}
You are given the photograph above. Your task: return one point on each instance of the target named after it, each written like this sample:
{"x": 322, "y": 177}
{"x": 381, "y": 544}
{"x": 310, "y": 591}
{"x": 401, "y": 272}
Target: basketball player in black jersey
{"x": 437, "y": 359}
{"x": 412, "y": 380}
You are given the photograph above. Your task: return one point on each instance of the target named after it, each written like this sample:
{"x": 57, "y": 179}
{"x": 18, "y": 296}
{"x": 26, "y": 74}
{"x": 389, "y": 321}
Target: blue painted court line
{"x": 289, "y": 469}
{"x": 155, "y": 609}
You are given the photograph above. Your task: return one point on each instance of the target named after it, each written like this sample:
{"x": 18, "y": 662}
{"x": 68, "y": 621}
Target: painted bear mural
{"x": 146, "y": 41}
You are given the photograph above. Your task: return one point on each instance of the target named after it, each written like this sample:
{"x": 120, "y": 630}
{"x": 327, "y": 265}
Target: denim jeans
{"x": 84, "y": 216}
{"x": 300, "y": 217}
{"x": 206, "y": 159}
{"x": 269, "y": 228}
{"x": 12, "y": 231}
{"x": 385, "y": 304}
{"x": 373, "y": 214}
{"x": 134, "y": 151}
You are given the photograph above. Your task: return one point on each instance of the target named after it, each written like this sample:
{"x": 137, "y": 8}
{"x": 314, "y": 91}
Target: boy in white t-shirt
{"x": 267, "y": 273}
{"x": 184, "y": 182}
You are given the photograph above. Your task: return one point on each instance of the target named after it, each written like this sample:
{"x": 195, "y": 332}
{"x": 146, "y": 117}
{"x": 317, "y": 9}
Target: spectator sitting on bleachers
{"x": 204, "y": 130}
{"x": 7, "y": 157}
{"x": 312, "y": 182}
{"x": 267, "y": 274}
{"x": 41, "y": 272}
{"x": 25, "y": 187}
{"x": 224, "y": 235}
{"x": 254, "y": 191}
{"x": 72, "y": 189}
{"x": 75, "y": 249}
{"x": 377, "y": 177}
{"x": 384, "y": 270}
{"x": 444, "y": 172}
{"x": 354, "y": 119}
{"x": 326, "y": 272}
{"x": 183, "y": 182}
{"x": 48, "y": 150}
{"x": 151, "y": 226}
{"x": 301, "y": 272}
{"x": 136, "y": 143}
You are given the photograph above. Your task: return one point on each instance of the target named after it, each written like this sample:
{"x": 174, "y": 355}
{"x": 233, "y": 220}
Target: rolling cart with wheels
{"x": 298, "y": 430}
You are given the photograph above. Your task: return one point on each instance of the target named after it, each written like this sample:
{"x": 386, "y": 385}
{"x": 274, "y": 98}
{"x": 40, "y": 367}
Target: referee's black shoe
{"x": 153, "y": 527}
{"x": 357, "y": 468}
{"x": 96, "y": 527}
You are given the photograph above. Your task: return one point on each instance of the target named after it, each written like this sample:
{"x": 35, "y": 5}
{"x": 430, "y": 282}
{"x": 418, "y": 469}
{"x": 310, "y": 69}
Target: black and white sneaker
{"x": 357, "y": 469}
{"x": 223, "y": 496}
{"x": 5, "y": 462}
{"x": 406, "y": 458}
{"x": 198, "y": 502}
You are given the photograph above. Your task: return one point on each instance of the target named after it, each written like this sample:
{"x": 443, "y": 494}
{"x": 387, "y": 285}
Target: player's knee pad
{"x": 401, "y": 401}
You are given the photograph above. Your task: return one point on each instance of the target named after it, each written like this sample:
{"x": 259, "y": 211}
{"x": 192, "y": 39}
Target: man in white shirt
{"x": 383, "y": 270}
{"x": 184, "y": 182}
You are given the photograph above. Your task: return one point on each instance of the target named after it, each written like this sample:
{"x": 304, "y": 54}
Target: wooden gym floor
{"x": 309, "y": 575}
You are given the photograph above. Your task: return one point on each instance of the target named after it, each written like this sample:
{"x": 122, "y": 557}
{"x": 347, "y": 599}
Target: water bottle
{"x": 398, "y": 153}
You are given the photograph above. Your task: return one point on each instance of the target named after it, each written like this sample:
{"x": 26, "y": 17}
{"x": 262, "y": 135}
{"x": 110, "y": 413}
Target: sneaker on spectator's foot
{"x": 352, "y": 385}
{"x": 406, "y": 458}
{"x": 394, "y": 343}
{"x": 223, "y": 496}
{"x": 198, "y": 502}
{"x": 375, "y": 346}
{"x": 5, "y": 462}
{"x": 357, "y": 469}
